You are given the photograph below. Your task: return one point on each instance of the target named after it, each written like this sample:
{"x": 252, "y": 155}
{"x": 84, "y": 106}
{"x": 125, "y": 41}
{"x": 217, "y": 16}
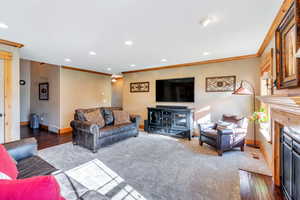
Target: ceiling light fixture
{"x": 108, "y": 69}
{"x": 113, "y": 80}
{"x": 206, "y": 53}
{"x": 67, "y": 59}
{"x": 163, "y": 60}
{"x": 133, "y": 65}
{"x": 92, "y": 53}
{"x": 207, "y": 20}
{"x": 128, "y": 43}
{"x": 3, "y": 25}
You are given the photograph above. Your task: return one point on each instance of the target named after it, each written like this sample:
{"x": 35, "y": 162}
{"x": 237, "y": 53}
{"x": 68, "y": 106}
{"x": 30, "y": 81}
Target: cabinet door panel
{"x": 287, "y": 168}
{"x": 296, "y": 176}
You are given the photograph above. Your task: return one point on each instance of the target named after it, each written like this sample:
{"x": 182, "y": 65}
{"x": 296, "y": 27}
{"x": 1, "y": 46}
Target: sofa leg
{"x": 220, "y": 152}
{"x": 200, "y": 143}
{"x": 94, "y": 150}
{"x": 242, "y": 148}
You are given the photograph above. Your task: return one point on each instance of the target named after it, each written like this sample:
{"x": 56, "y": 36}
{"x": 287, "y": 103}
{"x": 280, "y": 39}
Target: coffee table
{"x": 94, "y": 180}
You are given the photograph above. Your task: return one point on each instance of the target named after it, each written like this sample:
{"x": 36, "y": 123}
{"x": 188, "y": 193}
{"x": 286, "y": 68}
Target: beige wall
{"x": 16, "y": 90}
{"x": 208, "y": 106}
{"x": 47, "y": 109}
{"x": 117, "y": 93}
{"x": 81, "y": 90}
{"x": 25, "y": 68}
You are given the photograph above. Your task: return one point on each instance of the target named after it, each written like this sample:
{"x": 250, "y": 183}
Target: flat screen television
{"x": 175, "y": 90}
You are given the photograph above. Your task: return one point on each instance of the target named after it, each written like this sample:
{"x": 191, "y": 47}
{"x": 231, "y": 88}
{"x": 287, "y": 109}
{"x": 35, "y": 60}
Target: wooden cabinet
{"x": 169, "y": 120}
{"x": 290, "y": 164}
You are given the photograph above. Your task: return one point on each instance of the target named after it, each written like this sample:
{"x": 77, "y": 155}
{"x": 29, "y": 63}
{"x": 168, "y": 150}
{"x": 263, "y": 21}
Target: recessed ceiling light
{"x": 163, "y": 60}
{"x": 208, "y": 20}
{"x": 113, "y": 80}
{"x": 206, "y": 53}
{"x": 92, "y": 53}
{"x": 133, "y": 65}
{"x": 3, "y": 25}
{"x": 108, "y": 69}
{"x": 128, "y": 43}
{"x": 67, "y": 59}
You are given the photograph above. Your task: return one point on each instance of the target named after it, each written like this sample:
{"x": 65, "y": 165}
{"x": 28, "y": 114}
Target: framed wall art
{"x": 220, "y": 84}
{"x": 44, "y": 91}
{"x": 287, "y": 43}
{"x": 140, "y": 87}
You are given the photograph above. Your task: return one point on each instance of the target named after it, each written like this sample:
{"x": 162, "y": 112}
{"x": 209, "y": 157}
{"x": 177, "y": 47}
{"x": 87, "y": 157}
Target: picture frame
{"x": 220, "y": 84}
{"x": 287, "y": 38}
{"x": 139, "y": 87}
{"x": 44, "y": 91}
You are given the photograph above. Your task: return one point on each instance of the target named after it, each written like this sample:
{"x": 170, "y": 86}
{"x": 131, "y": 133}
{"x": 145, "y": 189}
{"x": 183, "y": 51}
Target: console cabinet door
{"x": 287, "y": 168}
{"x": 296, "y": 172}
{"x": 180, "y": 120}
{"x": 155, "y": 117}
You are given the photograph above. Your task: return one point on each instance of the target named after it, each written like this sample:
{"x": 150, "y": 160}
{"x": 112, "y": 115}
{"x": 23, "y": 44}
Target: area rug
{"x": 165, "y": 168}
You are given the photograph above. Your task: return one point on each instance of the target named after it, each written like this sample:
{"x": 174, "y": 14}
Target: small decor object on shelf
{"x": 44, "y": 91}
{"x": 140, "y": 87}
{"x": 220, "y": 84}
{"x": 287, "y": 43}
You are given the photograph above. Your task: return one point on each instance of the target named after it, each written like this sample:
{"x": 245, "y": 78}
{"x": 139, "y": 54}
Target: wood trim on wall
{"x": 194, "y": 63}
{"x": 271, "y": 33}
{"x": 85, "y": 70}
{"x": 12, "y": 44}
{"x": 24, "y": 123}
{"x": 8, "y": 95}
{"x": 65, "y": 130}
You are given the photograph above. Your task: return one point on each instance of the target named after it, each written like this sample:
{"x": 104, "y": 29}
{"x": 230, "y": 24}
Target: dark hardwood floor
{"x": 45, "y": 138}
{"x": 255, "y": 186}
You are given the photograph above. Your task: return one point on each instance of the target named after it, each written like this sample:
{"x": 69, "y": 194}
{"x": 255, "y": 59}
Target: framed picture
{"x": 139, "y": 87}
{"x": 44, "y": 91}
{"x": 220, "y": 84}
{"x": 287, "y": 44}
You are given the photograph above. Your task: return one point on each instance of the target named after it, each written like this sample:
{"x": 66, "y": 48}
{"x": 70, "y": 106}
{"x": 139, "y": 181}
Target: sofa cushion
{"x": 211, "y": 133}
{"x": 37, "y": 188}
{"x": 108, "y": 116}
{"x": 121, "y": 117}
{"x": 7, "y": 164}
{"x": 34, "y": 166}
{"x": 116, "y": 129}
{"x": 95, "y": 117}
{"x": 4, "y": 176}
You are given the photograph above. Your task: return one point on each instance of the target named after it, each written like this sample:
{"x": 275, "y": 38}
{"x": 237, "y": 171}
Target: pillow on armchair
{"x": 222, "y": 125}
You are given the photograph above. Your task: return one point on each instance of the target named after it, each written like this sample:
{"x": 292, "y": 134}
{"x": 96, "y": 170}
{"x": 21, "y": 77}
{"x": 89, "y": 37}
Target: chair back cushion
{"x": 121, "y": 117}
{"x": 241, "y": 122}
{"x": 36, "y": 188}
{"x": 7, "y": 164}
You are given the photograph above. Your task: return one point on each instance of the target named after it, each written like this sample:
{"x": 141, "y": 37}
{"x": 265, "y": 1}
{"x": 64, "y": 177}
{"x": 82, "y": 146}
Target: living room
{"x": 198, "y": 101}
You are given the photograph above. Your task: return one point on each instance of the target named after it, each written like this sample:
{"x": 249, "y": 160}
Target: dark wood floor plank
{"x": 45, "y": 138}
{"x": 255, "y": 186}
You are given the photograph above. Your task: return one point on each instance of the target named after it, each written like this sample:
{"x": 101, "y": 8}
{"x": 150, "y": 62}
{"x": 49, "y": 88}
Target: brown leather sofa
{"x": 226, "y": 139}
{"x": 91, "y": 136}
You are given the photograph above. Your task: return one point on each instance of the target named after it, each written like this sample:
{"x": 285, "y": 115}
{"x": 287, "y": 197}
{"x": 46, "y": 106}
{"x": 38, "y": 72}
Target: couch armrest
{"x": 22, "y": 148}
{"x": 136, "y": 119}
{"x": 226, "y": 132}
{"x": 203, "y": 126}
{"x": 85, "y": 126}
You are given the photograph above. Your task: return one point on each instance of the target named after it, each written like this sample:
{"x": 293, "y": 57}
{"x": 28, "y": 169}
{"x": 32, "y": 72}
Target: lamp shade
{"x": 242, "y": 90}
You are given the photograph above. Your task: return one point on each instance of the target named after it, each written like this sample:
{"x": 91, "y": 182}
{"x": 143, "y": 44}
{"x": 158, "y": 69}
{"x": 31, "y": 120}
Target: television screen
{"x": 175, "y": 90}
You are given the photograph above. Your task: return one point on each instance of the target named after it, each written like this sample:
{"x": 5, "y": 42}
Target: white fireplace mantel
{"x": 289, "y": 104}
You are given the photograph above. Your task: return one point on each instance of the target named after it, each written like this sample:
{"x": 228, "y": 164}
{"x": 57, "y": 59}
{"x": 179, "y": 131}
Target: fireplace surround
{"x": 285, "y": 112}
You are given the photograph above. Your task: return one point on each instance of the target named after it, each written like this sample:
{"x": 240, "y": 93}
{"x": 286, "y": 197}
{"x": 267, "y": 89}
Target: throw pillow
{"x": 35, "y": 188}
{"x": 221, "y": 125}
{"x": 7, "y": 164}
{"x": 121, "y": 117}
{"x": 108, "y": 116}
{"x": 95, "y": 117}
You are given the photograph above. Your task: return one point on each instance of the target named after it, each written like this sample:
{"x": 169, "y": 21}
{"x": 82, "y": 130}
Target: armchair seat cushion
{"x": 211, "y": 133}
{"x": 34, "y": 166}
{"x": 116, "y": 129}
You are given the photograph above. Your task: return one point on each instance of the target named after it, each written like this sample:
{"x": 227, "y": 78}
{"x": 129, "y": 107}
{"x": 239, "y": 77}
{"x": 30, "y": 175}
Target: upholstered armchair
{"x": 226, "y": 138}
